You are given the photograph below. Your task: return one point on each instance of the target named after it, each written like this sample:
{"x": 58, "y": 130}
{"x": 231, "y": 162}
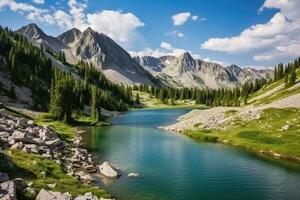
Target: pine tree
{"x": 61, "y": 100}
{"x": 137, "y": 98}
{"x": 293, "y": 77}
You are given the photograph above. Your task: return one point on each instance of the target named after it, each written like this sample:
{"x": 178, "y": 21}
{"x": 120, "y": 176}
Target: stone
{"x": 21, "y": 136}
{"x": 90, "y": 168}
{"x": 109, "y": 170}
{"x": 20, "y": 184}
{"x": 49, "y": 195}
{"x": 133, "y": 175}
{"x": 8, "y": 188}
{"x": 84, "y": 177}
{"x": 285, "y": 127}
{"x": 45, "y": 155}
{"x": 3, "y": 177}
{"x": 31, "y": 123}
{"x": 4, "y": 134}
{"x": 51, "y": 185}
{"x": 53, "y": 143}
{"x": 31, "y": 148}
{"x": 21, "y": 122}
{"x": 29, "y": 190}
{"x": 87, "y": 196}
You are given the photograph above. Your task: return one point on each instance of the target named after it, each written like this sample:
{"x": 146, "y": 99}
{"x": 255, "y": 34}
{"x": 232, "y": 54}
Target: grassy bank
{"x": 149, "y": 102}
{"x": 276, "y": 133}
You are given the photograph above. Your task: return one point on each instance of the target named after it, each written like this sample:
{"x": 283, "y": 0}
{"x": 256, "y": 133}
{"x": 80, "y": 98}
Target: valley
{"x": 83, "y": 90}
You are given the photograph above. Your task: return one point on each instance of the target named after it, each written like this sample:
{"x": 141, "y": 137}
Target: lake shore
{"x": 269, "y": 130}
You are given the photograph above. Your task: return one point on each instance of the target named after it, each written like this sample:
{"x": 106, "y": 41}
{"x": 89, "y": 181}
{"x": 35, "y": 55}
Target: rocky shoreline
{"x": 20, "y": 134}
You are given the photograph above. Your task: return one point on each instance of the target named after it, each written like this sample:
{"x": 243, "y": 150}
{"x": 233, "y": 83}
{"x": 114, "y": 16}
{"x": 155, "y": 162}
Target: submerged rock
{"x": 109, "y": 170}
{"x": 133, "y": 175}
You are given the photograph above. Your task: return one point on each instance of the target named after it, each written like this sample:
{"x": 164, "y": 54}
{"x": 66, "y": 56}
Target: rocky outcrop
{"x": 49, "y": 195}
{"x": 22, "y": 134}
{"x": 109, "y": 170}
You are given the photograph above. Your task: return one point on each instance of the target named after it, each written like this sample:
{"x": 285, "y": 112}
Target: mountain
{"x": 34, "y": 34}
{"x": 93, "y": 47}
{"x": 118, "y": 66}
{"x": 185, "y": 71}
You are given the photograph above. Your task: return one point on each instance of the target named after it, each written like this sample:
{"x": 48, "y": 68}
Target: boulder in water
{"x": 109, "y": 170}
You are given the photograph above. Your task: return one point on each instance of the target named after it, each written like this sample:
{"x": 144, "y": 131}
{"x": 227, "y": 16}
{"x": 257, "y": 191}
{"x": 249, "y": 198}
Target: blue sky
{"x": 246, "y": 33}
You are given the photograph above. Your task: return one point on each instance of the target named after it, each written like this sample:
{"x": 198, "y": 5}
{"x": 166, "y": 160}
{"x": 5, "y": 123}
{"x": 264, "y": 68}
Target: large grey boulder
{"x": 49, "y": 195}
{"x": 8, "y": 190}
{"x": 109, "y": 170}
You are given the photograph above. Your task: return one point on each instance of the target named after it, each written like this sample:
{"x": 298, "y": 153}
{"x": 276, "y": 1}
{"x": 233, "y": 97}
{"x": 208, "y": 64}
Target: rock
{"x": 133, "y": 175}
{"x": 43, "y": 174}
{"x": 3, "y": 177}
{"x": 4, "y": 134}
{"x": 23, "y": 137}
{"x": 31, "y": 148}
{"x": 53, "y": 143}
{"x": 30, "y": 123}
{"x": 90, "y": 169}
{"x": 8, "y": 188}
{"x": 109, "y": 170}
{"x": 285, "y": 127}
{"x": 21, "y": 122}
{"x": 84, "y": 177}
{"x": 87, "y": 196}
{"x": 29, "y": 190}
{"x": 20, "y": 184}
{"x": 51, "y": 185}
{"x": 49, "y": 195}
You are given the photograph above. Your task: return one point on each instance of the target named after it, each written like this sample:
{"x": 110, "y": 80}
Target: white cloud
{"x": 38, "y": 1}
{"x": 166, "y": 46}
{"x": 180, "y": 34}
{"x": 118, "y": 25}
{"x": 274, "y": 38}
{"x": 165, "y": 49}
{"x": 180, "y": 18}
{"x": 195, "y": 17}
{"x": 176, "y": 33}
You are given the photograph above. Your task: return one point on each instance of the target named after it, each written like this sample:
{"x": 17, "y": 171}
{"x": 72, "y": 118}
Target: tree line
{"x": 54, "y": 90}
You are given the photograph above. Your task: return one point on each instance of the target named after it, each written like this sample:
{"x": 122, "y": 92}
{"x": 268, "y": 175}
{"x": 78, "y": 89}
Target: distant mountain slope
{"x": 93, "y": 47}
{"x": 185, "y": 71}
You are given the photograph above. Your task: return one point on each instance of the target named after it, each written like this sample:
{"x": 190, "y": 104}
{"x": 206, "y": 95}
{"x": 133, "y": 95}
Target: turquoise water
{"x": 174, "y": 167}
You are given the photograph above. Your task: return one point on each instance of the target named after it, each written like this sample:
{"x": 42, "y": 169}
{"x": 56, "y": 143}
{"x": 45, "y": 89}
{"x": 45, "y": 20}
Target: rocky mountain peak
{"x": 34, "y": 34}
{"x": 187, "y": 59}
{"x": 32, "y": 31}
{"x": 69, "y": 36}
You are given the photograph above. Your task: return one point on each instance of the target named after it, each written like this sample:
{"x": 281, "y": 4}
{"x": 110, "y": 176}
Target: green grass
{"x": 31, "y": 167}
{"x": 230, "y": 112}
{"x": 262, "y": 134}
{"x": 283, "y": 93}
{"x": 67, "y": 131}
{"x": 147, "y": 102}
